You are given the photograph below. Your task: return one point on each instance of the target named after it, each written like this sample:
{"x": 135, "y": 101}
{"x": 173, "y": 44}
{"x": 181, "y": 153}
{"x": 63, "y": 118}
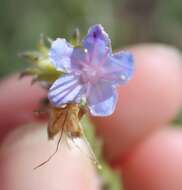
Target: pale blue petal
{"x": 97, "y": 43}
{"x": 64, "y": 90}
{"x": 96, "y": 33}
{"x": 78, "y": 59}
{"x": 60, "y": 54}
{"x": 101, "y": 99}
{"x": 119, "y": 68}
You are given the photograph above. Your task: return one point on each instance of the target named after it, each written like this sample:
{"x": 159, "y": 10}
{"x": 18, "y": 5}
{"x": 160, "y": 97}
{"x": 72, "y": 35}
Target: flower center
{"x": 90, "y": 73}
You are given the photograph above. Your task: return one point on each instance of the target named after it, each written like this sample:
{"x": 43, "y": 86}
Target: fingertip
{"x": 150, "y": 100}
{"x": 18, "y": 100}
{"x": 155, "y": 163}
{"x": 27, "y": 147}
{"x": 154, "y": 96}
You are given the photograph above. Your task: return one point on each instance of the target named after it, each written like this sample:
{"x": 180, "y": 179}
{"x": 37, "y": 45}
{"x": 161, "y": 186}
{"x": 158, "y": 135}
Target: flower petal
{"x": 97, "y": 43}
{"x": 101, "y": 99}
{"x": 96, "y": 33}
{"x": 60, "y": 53}
{"x": 65, "y": 89}
{"x": 119, "y": 68}
{"x": 78, "y": 59}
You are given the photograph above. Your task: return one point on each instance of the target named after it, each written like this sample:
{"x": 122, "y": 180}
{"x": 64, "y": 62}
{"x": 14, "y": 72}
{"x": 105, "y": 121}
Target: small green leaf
{"x": 41, "y": 68}
{"x": 31, "y": 56}
{"x": 75, "y": 39}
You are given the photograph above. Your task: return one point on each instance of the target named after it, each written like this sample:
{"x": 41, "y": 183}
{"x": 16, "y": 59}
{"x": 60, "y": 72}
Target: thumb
{"x": 26, "y": 147}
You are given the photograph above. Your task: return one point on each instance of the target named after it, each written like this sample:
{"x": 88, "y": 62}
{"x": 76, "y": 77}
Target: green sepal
{"x": 75, "y": 39}
{"x": 41, "y": 68}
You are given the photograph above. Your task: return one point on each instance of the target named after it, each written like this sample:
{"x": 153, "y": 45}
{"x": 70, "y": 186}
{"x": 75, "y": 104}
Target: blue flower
{"x": 91, "y": 72}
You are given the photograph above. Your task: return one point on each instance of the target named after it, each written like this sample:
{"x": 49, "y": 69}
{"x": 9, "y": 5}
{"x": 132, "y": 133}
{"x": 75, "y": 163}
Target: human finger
{"x": 155, "y": 163}
{"x": 18, "y": 100}
{"x": 26, "y": 147}
{"x": 151, "y": 99}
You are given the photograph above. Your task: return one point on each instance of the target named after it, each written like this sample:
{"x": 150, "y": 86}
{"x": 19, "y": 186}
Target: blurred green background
{"x": 127, "y": 22}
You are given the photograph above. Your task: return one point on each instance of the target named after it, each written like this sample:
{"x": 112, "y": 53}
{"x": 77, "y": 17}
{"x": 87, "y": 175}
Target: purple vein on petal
{"x": 62, "y": 84}
{"x": 78, "y": 97}
{"x": 66, "y": 95}
{"x": 105, "y": 57}
{"x": 64, "y": 89}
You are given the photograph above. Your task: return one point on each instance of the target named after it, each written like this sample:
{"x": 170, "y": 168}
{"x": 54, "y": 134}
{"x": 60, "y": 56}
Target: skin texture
{"x": 137, "y": 138}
